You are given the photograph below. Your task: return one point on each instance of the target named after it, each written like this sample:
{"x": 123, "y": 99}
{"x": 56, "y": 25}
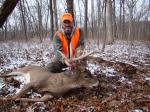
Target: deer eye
{"x": 86, "y": 76}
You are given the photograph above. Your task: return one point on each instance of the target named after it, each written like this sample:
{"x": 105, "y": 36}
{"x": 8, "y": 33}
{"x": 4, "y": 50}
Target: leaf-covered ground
{"x": 123, "y": 71}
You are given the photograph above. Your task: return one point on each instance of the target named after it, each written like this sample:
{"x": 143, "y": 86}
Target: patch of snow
{"x": 147, "y": 96}
{"x": 109, "y": 72}
{"x": 15, "y": 54}
{"x": 1, "y": 82}
{"x": 33, "y": 94}
{"x": 122, "y": 79}
{"x": 129, "y": 82}
{"x": 137, "y": 110}
{"x": 124, "y": 51}
{"x": 147, "y": 78}
{"x": 125, "y": 80}
{"x": 93, "y": 67}
{"x": 11, "y": 89}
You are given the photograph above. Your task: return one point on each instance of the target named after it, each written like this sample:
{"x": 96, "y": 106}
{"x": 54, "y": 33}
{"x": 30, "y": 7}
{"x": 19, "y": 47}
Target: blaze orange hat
{"x": 66, "y": 16}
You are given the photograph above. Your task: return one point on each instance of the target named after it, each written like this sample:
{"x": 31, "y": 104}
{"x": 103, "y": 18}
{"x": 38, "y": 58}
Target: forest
{"x": 118, "y": 29}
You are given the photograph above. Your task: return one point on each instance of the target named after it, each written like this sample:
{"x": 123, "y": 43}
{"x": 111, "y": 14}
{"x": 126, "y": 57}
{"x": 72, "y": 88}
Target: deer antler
{"x": 85, "y": 55}
{"x": 68, "y": 61}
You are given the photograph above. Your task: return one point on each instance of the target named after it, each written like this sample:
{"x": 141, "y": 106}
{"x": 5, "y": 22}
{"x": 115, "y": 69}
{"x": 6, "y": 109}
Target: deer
{"x": 54, "y": 84}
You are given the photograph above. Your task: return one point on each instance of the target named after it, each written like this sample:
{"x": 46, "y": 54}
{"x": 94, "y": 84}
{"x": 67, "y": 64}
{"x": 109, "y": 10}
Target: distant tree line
{"x": 103, "y": 20}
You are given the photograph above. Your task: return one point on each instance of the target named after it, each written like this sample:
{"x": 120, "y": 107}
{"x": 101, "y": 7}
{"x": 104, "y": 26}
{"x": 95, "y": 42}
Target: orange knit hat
{"x": 66, "y": 16}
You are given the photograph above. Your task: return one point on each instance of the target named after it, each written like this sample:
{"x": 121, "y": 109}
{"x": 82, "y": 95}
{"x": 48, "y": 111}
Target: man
{"x": 62, "y": 39}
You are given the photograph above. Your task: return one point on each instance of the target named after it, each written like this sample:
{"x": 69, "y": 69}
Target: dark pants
{"x": 56, "y": 66}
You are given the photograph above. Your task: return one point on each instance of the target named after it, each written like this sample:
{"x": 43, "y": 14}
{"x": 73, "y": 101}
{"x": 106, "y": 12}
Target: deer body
{"x": 55, "y": 84}
{"x": 52, "y": 84}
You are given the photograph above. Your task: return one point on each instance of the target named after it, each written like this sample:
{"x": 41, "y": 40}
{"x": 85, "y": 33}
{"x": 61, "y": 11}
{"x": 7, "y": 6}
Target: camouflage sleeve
{"x": 57, "y": 46}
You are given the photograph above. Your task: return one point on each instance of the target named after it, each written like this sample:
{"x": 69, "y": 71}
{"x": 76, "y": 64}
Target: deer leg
{"x": 45, "y": 98}
{"x": 23, "y": 91}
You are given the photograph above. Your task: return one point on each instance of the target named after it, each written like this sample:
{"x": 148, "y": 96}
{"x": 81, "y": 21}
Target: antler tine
{"x": 70, "y": 51}
{"x": 84, "y": 56}
{"x": 65, "y": 58}
{"x": 67, "y": 61}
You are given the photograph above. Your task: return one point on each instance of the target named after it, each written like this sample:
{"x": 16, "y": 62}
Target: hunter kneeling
{"x": 69, "y": 40}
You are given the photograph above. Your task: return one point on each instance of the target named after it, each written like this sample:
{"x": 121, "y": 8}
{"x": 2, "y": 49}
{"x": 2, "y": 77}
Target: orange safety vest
{"x": 74, "y": 41}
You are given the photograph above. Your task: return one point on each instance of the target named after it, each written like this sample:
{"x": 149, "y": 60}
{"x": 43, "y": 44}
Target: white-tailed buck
{"x": 54, "y": 84}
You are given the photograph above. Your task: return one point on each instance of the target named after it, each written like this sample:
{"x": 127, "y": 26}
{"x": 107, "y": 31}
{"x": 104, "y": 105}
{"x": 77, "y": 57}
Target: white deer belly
{"x": 24, "y": 79}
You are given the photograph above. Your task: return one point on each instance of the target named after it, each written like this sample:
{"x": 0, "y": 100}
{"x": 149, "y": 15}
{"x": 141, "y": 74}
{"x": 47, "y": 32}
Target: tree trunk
{"x": 70, "y": 7}
{"x": 85, "y": 18}
{"x": 5, "y": 34}
{"x": 51, "y": 20}
{"x": 22, "y": 9}
{"x": 114, "y": 20}
{"x": 123, "y": 19}
{"x": 80, "y": 22}
{"x": 55, "y": 14}
{"x": 92, "y": 18}
{"x": 131, "y": 5}
{"x": 104, "y": 27}
{"x": 40, "y": 25}
{"x": 99, "y": 16}
{"x": 6, "y": 10}
{"x": 120, "y": 21}
{"x": 47, "y": 18}
{"x": 109, "y": 22}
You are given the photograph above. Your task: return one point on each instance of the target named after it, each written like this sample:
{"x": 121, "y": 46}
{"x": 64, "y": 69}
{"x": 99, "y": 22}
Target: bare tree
{"x": 40, "y": 25}
{"x": 55, "y": 14}
{"x": 92, "y": 18}
{"x": 123, "y": 19}
{"x": 114, "y": 27}
{"x": 22, "y": 11}
{"x": 120, "y": 21}
{"x": 47, "y": 18}
{"x": 131, "y": 21}
{"x": 131, "y": 4}
{"x": 80, "y": 12}
{"x": 6, "y": 10}
{"x": 109, "y": 21}
{"x": 99, "y": 16}
{"x": 51, "y": 19}
{"x": 32, "y": 25}
{"x": 5, "y": 34}
{"x": 104, "y": 26}
{"x": 70, "y": 6}
{"x": 86, "y": 17}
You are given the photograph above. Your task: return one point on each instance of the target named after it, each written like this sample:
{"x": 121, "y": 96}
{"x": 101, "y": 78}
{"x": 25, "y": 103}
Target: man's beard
{"x": 68, "y": 30}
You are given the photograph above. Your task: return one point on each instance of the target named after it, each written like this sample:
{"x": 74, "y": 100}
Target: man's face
{"x": 67, "y": 25}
